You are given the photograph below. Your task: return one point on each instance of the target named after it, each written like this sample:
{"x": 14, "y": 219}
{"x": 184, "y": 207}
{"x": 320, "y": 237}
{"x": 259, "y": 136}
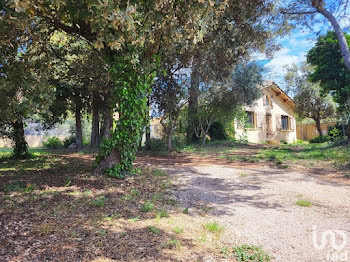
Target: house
{"x": 270, "y": 119}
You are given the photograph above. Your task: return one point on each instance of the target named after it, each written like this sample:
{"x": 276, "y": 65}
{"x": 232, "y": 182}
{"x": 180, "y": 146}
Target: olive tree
{"x": 219, "y": 101}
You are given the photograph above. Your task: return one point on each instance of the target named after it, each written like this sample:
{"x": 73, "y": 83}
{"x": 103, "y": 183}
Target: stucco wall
{"x": 279, "y": 107}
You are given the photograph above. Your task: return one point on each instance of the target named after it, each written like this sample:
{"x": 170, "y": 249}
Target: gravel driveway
{"x": 257, "y": 205}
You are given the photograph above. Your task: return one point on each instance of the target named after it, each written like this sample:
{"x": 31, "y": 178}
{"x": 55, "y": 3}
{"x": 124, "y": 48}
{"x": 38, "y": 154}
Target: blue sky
{"x": 294, "y": 48}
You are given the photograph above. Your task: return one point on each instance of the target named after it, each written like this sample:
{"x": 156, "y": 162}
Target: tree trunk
{"x": 170, "y": 137}
{"x": 344, "y": 48}
{"x": 193, "y": 103}
{"x": 318, "y": 126}
{"x": 78, "y": 126}
{"x": 107, "y": 121}
{"x": 148, "y": 130}
{"x": 95, "y": 128}
{"x": 110, "y": 161}
{"x": 20, "y": 149}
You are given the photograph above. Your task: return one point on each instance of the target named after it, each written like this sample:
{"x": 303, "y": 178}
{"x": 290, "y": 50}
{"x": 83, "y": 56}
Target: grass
{"x": 154, "y": 229}
{"x": 303, "y": 203}
{"x": 178, "y": 230}
{"x": 282, "y": 156}
{"x": 249, "y": 253}
{"x": 99, "y": 202}
{"x": 147, "y": 207}
{"x": 173, "y": 243}
{"x": 161, "y": 213}
{"x": 214, "y": 227}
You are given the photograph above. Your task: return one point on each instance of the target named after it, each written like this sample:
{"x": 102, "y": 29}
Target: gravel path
{"x": 257, "y": 205}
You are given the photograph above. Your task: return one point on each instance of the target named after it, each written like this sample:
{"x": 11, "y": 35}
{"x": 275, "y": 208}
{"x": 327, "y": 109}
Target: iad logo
{"x": 337, "y": 255}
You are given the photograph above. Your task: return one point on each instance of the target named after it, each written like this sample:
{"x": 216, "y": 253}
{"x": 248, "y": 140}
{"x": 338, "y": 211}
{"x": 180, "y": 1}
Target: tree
{"x": 227, "y": 43}
{"x": 220, "y": 101}
{"x": 169, "y": 93}
{"x": 309, "y": 100}
{"x": 329, "y": 69}
{"x": 23, "y": 89}
{"x": 305, "y": 11}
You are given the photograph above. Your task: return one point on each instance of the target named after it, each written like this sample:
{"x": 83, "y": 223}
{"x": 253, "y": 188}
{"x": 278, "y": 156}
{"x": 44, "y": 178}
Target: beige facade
{"x": 271, "y": 118}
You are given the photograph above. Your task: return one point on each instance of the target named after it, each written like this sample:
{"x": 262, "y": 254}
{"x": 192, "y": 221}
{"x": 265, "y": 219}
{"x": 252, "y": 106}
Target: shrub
{"x": 320, "y": 139}
{"x": 284, "y": 142}
{"x": 72, "y": 139}
{"x": 217, "y": 131}
{"x": 334, "y": 133}
{"x": 53, "y": 142}
{"x": 155, "y": 144}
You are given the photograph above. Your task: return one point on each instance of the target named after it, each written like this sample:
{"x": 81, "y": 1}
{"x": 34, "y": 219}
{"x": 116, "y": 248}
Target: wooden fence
{"x": 309, "y": 131}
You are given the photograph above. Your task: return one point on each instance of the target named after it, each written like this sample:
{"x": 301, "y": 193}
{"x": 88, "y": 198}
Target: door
{"x": 269, "y": 132}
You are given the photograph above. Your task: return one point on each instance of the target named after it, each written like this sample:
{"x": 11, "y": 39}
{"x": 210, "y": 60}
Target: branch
{"x": 286, "y": 12}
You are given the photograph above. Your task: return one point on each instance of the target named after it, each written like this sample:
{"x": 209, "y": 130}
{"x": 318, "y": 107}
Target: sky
{"x": 293, "y": 49}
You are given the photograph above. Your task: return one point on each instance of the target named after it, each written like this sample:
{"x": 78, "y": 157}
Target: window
{"x": 285, "y": 124}
{"x": 267, "y": 101}
{"x": 250, "y": 119}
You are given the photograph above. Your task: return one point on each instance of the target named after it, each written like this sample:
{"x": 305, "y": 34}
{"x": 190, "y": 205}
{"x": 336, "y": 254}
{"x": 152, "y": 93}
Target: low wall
{"x": 32, "y": 140}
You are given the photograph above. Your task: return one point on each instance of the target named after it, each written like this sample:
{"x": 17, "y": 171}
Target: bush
{"x": 217, "y": 131}
{"x": 68, "y": 141}
{"x": 334, "y": 133}
{"x": 53, "y": 142}
{"x": 155, "y": 144}
{"x": 72, "y": 139}
{"x": 320, "y": 139}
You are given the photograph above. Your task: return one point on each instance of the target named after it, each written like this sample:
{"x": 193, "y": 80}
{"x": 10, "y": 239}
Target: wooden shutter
{"x": 255, "y": 119}
{"x": 292, "y": 123}
{"x": 278, "y": 122}
{"x": 259, "y": 120}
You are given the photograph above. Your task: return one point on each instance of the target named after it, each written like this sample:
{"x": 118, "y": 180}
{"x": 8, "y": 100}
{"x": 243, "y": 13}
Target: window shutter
{"x": 292, "y": 123}
{"x": 278, "y": 122}
{"x": 259, "y": 121}
{"x": 255, "y": 120}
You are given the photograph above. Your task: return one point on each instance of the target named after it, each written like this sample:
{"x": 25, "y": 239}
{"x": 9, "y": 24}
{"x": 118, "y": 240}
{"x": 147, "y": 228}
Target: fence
{"x": 309, "y": 131}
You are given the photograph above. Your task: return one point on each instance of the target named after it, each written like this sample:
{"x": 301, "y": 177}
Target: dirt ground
{"x": 53, "y": 208}
{"x": 256, "y": 203}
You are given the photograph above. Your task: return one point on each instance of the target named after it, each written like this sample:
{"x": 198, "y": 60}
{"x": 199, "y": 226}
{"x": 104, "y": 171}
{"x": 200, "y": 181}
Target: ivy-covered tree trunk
{"x": 193, "y": 104}
{"x": 95, "y": 127}
{"x": 20, "y": 149}
{"x": 132, "y": 87}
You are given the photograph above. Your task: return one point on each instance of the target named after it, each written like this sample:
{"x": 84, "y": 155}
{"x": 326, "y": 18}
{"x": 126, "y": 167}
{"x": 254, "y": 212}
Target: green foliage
{"x": 99, "y": 202}
{"x": 214, "y": 227}
{"x": 178, "y": 230}
{"x": 320, "y": 139}
{"x": 303, "y": 203}
{"x": 334, "y": 133}
{"x": 329, "y": 68}
{"x": 161, "y": 213}
{"x": 173, "y": 243}
{"x": 250, "y": 253}
{"x": 155, "y": 144}
{"x": 147, "y": 207}
{"x": 154, "y": 229}
{"x": 53, "y": 142}
{"x": 217, "y": 131}
{"x": 131, "y": 90}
